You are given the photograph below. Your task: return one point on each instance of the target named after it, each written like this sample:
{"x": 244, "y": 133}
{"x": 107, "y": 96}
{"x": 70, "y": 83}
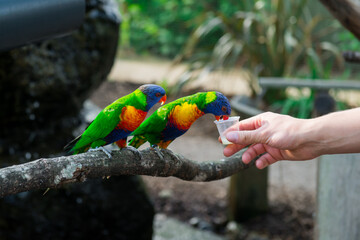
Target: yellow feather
{"x": 184, "y": 115}
{"x": 131, "y": 118}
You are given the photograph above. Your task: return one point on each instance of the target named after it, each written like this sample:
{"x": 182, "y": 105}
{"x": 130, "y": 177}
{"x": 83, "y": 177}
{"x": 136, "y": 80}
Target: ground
{"x": 204, "y": 205}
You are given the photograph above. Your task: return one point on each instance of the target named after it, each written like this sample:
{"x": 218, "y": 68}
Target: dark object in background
{"x": 352, "y": 57}
{"x": 42, "y": 90}
{"x": 24, "y": 21}
{"x": 323, "y": 103}
{"x": 117, "y": 208}
{"x": 43, "y": 85}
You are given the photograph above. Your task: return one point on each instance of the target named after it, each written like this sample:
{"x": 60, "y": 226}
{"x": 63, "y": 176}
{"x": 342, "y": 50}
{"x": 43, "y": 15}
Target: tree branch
{"x": 347, "y": 12}
{"x": 55, "y": 172}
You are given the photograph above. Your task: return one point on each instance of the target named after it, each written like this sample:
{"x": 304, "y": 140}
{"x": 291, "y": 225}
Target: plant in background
{"x": 347, "y": 41}
{"x": 301, "y": 102}
{"x": 158, "y": 27}
{"x": 274, "y": 36}
{"x": 271, "y": 38}
{"x": 268, "y": 37}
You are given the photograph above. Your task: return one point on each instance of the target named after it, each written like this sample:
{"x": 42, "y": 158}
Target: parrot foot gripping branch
{"x": 157, "y": 150}
{"x": 104, "y": 150}
{"x": 136, "y": 152}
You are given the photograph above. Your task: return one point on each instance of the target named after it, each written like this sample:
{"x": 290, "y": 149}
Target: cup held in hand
{"x": 222, "y": 125}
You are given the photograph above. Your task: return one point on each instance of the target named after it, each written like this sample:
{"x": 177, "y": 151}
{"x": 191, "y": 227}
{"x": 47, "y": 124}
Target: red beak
{"x": 223, "y": 117}
{"x": 163, "y": 100}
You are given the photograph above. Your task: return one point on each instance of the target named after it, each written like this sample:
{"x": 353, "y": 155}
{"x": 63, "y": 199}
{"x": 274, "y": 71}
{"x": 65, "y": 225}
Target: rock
{"x": 235, "y": 230}
{"x": 171, "y": 229}
{"x": 256, "y": 236}
{"x": 166, "y": 193}
{"x": 194, "y": 221}
{"x": 43, "y": 85}
{"x": 117, "y": 208}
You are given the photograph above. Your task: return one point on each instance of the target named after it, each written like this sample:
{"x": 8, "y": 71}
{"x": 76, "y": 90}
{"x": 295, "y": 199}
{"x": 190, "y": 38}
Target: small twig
{"x": 55, "y": 172}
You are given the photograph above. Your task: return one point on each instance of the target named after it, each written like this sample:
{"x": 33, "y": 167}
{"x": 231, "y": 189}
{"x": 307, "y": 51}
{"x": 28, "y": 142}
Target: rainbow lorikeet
{"x": 115, "y": 122}
{"x": 175, "y": 118}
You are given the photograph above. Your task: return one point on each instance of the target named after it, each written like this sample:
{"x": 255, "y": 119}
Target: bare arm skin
{"x": 281, "y": 137}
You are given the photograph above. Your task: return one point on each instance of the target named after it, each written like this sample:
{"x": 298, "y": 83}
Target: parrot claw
{"x": 134, "y": 150}
{"x": 157, "y": 150}
{"x": 172, "y": 154}
{"x": 107, "y": 152}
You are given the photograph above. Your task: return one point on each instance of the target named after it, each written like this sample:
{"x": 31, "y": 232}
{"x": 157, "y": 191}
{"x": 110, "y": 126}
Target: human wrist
{"x": 312, "y": 136}
{"x": 340, "y": 132}
{"x": 332, "y": 133}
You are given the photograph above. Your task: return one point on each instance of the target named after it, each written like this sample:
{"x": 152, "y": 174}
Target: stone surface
{"x": 43, "y": 85}
{"x": 171, "y": 229}
{"x": 114, "y": 208}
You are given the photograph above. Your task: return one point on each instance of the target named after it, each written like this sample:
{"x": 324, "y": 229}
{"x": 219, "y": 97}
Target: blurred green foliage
{"x": 302, "y": 106}
{"x": 159, "y": 27}
{"x": 347, "y": 41}
{"x": 280, "y": 38}
{"x": 274, "y": 35}
{"x": 273, "y": 38}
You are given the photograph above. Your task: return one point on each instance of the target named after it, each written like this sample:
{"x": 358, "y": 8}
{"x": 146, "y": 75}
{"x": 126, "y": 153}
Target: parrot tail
{"x": 70, "y": 146}
{"x": 137, "y": 141}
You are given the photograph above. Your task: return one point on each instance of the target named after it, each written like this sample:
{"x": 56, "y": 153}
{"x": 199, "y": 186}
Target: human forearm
{"x": 338, "y": 132}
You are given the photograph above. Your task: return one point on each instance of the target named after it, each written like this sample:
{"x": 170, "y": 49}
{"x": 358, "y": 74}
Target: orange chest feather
{"x": 182, "y": 116}
{"x": 131, "y": 118}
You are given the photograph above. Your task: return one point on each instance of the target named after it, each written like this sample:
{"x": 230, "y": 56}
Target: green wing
{"x": 102, "y": 125}
{"x": 105, "y": 122}
{"x": 150, "y": 130}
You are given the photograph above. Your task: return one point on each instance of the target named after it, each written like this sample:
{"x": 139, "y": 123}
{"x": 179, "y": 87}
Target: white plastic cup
{"x": 222, "y": 125}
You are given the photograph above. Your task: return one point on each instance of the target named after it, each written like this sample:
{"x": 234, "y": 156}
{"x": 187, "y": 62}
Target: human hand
{"x": 277, "y": 137}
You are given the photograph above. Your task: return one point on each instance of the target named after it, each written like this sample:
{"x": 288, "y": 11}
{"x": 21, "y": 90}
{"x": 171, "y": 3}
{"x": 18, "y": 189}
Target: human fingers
{"x": 265, "y": 160}
{"x": 256, "y": 150}
{"x": 231, "y": 149}
{"x": 252, "y": 152}
{"x": 247, "y": 124}
{"x": 246, "y": 137}
{"x": 250, "y": 123}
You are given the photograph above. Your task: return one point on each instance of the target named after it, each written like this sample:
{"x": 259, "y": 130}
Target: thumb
{"x": 244, "y": 137}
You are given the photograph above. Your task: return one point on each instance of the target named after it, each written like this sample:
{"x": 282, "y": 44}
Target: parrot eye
{"x": 158, "y": 94}
{"x": 224, "y": 109}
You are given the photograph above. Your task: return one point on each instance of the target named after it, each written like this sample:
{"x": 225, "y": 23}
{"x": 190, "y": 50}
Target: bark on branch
{"x": 347, "y": 12}
{"x": 55, "y": 172}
